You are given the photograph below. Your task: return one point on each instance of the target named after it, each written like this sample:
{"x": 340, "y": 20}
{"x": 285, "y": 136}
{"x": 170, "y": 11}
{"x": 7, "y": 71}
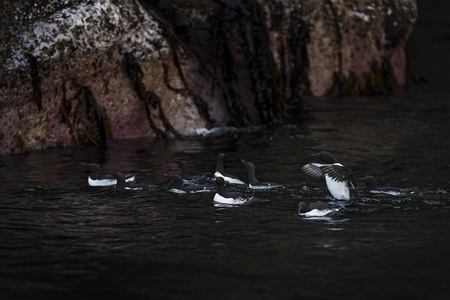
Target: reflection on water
{"x": 64, "y": 238}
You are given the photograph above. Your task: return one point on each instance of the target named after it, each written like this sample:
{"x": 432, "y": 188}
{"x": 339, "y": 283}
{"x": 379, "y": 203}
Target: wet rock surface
{"x": 77, "y": 72}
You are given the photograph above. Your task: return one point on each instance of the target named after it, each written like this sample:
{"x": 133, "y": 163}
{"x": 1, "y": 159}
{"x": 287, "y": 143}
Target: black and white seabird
{"x": 122, "y": 184}
{"x": 230, "y": 198}
{"x": 98, "y": 179}
{"x": 254, "y": 183}
{"x": 196, "y": 179}
{"x": 317, "y": 209}
{"x": 337, "y": 176}
{"x": 179, "y": 187}
{"x": 372, "y": 187}
{"x": 230, "y": 179}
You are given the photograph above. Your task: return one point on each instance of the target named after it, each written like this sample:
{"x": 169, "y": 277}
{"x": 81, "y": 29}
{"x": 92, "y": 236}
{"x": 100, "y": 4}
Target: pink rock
{"x": 135, "y": 71}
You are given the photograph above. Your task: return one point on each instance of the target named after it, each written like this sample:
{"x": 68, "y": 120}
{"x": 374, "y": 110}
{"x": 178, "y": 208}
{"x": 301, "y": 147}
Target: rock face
{"x": 77, "y": 72}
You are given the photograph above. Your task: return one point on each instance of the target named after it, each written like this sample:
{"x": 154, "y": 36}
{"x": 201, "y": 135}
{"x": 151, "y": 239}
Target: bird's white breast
{"x": 101, "y": 182}
{"x": 229, "y": 180}
{"x": 318, "y": 212}
{"x": 220, "y": 199}
{"x": 339, "y": 189}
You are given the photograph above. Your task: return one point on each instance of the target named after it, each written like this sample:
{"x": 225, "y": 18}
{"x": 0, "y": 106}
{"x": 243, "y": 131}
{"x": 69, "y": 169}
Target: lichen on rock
{"x": 95, "y": 24}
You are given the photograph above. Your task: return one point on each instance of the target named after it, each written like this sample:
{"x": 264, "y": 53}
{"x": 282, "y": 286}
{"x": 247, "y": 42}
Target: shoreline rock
{"x": 76, "y": 72}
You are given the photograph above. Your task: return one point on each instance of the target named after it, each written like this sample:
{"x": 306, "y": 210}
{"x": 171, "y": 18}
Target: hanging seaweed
{"x": 339, "y": 81}
{"x": 224, "y": 54}
{"x": 99, "y": 121}
{"x": 65, "y": 110}
{"x": 262, "y": 67}
{"x": 150, "y": 99}
{"x": 175, "y": 47}
{"x": 134, "y": 72}
{"x": 299, "y": 38}
{"x": 337, "y": 25}
{"x": 156, "y": 102}
{"x": 35, "y": 82}
{"x": 382, "y": 79}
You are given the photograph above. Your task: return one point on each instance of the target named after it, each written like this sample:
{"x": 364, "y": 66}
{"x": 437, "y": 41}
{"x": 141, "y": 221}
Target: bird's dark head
{"x": 220, "y": 181}
{"x": 325, "y": 157}
{"x": 302, "y": 207}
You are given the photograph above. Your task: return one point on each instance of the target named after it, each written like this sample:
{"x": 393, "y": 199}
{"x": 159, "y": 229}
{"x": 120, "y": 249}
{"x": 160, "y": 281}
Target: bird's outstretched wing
{"x": 338, "y": 172}
{"x": 314, "y": 170}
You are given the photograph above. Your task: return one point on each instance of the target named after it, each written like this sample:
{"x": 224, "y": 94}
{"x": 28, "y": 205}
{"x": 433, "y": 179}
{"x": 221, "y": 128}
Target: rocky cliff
{"x": 76, "y": 72}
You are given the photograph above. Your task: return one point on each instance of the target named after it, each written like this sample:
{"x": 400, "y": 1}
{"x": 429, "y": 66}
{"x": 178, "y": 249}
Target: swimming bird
{"x": 98, "y": 179}
{"x": 317, "y": 209}
{"x": 372, "y": 187}
{"x": 233, "y": 198}
{"x": 180, "y": 188}
{"x": 122, "y": 184}
{"x": 254, "y": 183}
{"x": 230, "y": 179}
{"x": 196, "y": 179}
{"x": 337, "y": 176}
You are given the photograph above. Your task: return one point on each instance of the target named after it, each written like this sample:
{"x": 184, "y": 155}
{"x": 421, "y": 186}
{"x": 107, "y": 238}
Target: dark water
{"x": 62, "y": 238}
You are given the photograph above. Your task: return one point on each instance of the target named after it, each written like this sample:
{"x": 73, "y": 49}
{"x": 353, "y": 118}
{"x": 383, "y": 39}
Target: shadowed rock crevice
{"x": 338, "y": 35}
{"x": 35, "y": 82}
{"x": 65, "y": 110}
{"x": 299, "y": 39}
{"x": 98, "y": 128}
{"x": 224, "y": 52}
{"x": 263, "y": 70}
